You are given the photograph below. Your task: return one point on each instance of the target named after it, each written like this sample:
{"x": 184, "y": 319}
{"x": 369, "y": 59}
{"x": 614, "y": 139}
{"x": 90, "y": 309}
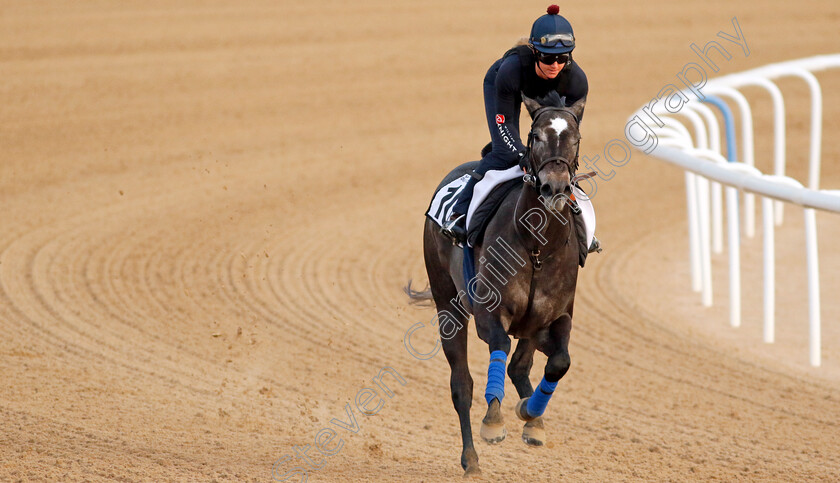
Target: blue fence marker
{"x": 729, "y": 125}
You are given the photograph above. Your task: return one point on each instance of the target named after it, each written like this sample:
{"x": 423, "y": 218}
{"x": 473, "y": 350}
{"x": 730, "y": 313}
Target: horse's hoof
{"x": 493, "y": 433}
{"x": 472, "y": 471}
{"x": 533, "y": 434}
{"x": 469, "y": 462}
{"x": 521, "y": 410}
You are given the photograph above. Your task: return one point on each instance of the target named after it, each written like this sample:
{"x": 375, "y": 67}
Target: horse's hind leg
{"x": 455, "y": 348}
{"x": 461, "y": 385}
{"x": 519, "y": 370}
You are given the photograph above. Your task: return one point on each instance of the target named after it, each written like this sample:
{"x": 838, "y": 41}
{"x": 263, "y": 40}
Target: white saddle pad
{"x": 587, "y": 212}
{"x": 490, "y": 180}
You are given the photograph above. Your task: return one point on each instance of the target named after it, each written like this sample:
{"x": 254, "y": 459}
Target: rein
{"x": 532, "y": 179}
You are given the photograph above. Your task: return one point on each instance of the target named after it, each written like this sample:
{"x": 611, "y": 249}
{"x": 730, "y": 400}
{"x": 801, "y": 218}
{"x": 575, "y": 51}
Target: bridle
{"x": 531, "y": 171}
{"x": 531, "y": 177}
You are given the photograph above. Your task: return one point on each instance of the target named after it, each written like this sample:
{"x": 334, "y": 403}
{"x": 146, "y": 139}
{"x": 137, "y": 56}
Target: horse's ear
{"x": 530, "y": 104}
{"x": 577, "y": 108}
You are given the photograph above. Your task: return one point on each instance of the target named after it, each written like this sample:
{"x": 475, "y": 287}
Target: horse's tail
{"x": 418, "y": 297}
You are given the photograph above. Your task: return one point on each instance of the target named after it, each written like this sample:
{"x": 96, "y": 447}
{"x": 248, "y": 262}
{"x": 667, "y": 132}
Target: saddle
{"x": 483, "y": 213}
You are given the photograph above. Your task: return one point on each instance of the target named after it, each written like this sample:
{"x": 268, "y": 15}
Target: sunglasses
{"x": 549, "y": 59}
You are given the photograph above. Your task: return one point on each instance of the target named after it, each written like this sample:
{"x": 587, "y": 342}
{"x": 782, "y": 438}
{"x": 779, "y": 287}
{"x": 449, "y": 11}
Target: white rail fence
{"x": 706, "y": 169}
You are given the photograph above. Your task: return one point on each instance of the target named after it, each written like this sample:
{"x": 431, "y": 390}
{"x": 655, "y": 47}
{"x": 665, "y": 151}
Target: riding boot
{"x": 455, "y": 228}
{"x": 595, "y": 246}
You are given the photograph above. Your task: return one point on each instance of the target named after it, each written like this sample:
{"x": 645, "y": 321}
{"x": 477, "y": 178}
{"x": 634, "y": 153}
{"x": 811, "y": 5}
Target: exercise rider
{"x": 541, "y": 65}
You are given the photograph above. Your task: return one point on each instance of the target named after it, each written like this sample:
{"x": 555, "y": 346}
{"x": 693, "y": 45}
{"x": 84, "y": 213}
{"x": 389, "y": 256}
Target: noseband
{"x": 531, "y": 176}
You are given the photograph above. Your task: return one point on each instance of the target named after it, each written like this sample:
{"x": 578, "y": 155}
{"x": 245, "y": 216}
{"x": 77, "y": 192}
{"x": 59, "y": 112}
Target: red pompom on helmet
{"x": 553, "y": 9}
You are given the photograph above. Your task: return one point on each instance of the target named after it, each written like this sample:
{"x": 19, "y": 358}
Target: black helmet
{"x": 552, "y": 34}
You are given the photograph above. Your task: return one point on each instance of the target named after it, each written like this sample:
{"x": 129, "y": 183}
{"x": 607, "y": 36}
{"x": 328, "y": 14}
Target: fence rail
{"x": 706, "y": 170}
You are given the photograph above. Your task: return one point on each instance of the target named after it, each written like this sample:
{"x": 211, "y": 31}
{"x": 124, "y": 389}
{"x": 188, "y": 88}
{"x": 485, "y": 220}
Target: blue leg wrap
{"x": 496, "y": 377}
{"x": 539, "y": 400}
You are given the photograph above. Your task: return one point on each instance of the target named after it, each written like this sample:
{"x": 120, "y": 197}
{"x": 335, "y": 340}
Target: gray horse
{"x": 524, "y": 283}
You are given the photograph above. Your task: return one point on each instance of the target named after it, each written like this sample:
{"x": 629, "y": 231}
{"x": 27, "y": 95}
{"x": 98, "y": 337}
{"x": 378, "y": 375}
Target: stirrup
{"x": 595, "y": 247}
{"x": 455, "y": 230}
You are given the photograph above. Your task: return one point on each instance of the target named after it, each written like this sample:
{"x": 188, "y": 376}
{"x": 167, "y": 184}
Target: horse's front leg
{"x": 557, "y": 348}
{"x": 519, "y": 371}
{"x": 490, "y": 330}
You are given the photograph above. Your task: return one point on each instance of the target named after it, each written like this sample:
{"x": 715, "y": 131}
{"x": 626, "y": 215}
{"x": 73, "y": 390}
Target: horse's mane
{"x": 552, "y": 99}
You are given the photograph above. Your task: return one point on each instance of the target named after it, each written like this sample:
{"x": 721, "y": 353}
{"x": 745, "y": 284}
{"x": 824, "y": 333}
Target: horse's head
{"x": 553, "y": 144}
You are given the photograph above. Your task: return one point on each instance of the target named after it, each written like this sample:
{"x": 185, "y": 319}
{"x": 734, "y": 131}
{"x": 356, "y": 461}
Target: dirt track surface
{"x": 209, "y": 212}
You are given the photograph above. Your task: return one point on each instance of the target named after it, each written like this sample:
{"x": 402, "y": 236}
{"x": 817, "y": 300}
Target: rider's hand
{"x": 523, "y": 158}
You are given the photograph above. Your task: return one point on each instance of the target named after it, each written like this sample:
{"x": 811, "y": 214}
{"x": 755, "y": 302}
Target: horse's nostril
{"x": 546, "y": 191}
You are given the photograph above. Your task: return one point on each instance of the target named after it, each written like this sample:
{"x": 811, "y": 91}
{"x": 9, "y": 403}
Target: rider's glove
{"x": 522, "y": 158}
